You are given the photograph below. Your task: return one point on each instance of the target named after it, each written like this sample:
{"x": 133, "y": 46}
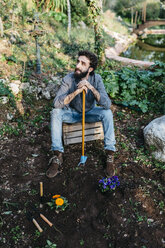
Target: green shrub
{"x": 143, "y": 89}
{"x": 5, "y": 91}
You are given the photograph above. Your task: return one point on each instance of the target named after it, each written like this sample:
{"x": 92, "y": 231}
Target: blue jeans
{"x": 68, "y": 115}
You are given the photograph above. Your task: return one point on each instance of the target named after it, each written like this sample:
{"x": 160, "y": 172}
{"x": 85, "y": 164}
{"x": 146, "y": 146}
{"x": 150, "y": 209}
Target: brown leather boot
{"x": 110, "y": 168}
{"x": 54, "y": 163}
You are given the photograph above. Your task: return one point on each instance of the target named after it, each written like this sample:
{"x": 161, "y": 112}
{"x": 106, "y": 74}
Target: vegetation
{"x": 144, "y": 89}
{"x": 127, "y": 9}
{"x": 138, "y": 96}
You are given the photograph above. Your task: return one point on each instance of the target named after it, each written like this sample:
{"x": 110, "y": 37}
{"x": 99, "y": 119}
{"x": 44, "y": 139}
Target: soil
{"x": 132, "y": 216}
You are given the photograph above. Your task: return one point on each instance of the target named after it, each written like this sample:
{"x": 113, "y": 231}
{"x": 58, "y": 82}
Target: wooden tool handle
{"x": 41, "y": 189}
{"x": 37, "y": 225}
{"x": 83, "y": 123}
{"x": 46, "y": 220}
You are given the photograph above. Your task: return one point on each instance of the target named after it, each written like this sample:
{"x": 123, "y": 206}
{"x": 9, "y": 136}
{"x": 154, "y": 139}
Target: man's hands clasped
{"x": 84, "y": 85}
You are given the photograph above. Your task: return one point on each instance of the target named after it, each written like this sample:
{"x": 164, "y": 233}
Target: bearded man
{"x": 68, "y": 109}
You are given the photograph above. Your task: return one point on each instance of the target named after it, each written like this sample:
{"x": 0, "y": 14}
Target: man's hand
{"x": 83, "y": 87}
{"x": 84, "y": 83}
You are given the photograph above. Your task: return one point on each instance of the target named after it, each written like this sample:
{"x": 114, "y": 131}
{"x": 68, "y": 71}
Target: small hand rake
{"x": 83, "y": 158}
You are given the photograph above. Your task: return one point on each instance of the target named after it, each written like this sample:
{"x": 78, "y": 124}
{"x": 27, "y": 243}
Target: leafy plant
{"x": 58, "y": 16}
{"x": 82, "y": 242}
{"x": 5, "y": 91}
{"x": 16, "y": 231}
{"x": 50, "y": 244}
{"x": 58, "y": 202}
{"x": 109, "y": 184}
{"x": 142, "y": 89}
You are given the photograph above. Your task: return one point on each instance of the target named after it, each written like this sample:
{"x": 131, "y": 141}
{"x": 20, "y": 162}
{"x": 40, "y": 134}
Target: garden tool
{"x": 41, "y": 194}
{"x": 30, "y": 218}
{"x": 83, "y": 158}
{"x": 35, "y": 210}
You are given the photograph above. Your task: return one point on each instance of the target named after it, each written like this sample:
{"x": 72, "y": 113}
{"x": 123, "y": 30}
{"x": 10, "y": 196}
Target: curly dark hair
{"x": 92, "y": 58}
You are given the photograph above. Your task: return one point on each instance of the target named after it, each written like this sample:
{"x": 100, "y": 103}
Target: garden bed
{"x": 132, "y": 216}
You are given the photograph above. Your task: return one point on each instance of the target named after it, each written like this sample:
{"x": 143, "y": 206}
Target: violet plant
{"x": 109, "y": 184}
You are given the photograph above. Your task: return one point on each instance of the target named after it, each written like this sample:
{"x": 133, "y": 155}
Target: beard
{"x": 79, "y": 74}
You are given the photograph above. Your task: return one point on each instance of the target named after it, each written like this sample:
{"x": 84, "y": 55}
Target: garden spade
{"x": 35, "y": 210}
{"x": 83, "y": 158}
{"x": 30, "y": 218}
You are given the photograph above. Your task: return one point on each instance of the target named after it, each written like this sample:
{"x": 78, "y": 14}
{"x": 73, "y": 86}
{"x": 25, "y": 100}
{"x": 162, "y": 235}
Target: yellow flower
{"x": 59, "y": 201}
{"x": 56, "y": 196}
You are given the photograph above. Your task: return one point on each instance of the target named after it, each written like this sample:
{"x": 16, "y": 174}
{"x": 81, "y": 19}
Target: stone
{"x": 46, "y": 94}
{"x": 10, "y": 116}
{"x": 24, "y": 86}
{"x": 119, "y": 19}
{"x": 32, "y": 89}
{"x": 154, "y": 136}
{"x": 3, "y": 81}
{"x": 82, "y": 24}
{"x": 52, "y": 89}
{"x": 4, "y": 99}
{"x": 14, "y": 88}
{"x": 16, "y": 82}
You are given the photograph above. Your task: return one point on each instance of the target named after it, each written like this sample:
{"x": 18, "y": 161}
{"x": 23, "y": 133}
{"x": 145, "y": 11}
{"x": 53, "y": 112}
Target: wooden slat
{"x": 87, "y": 138}
{"x": 78, "y": 126}
{"x": 87, "y": 132}
{"x": 72, "y": 133}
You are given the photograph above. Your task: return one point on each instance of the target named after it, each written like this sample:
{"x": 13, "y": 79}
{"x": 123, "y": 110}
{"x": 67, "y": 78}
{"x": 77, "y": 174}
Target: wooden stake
{"x": 41, "y": 194}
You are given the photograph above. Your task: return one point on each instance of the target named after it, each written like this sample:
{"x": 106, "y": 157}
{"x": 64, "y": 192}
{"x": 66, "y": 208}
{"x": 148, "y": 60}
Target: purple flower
{"x": 109, "y": 183}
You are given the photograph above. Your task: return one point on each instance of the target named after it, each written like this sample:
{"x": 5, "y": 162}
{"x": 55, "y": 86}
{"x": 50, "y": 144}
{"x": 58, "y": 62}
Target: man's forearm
{"x": 71, "y": 96}
{"x": 90, "y": 87}
{"x": 95, "y": 93}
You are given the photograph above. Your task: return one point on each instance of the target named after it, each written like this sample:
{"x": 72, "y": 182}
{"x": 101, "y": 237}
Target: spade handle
{"x": 46, "y": 220}
{"x": 37, "y": 225}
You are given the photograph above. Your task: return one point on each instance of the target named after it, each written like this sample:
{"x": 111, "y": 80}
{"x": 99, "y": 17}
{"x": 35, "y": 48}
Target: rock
{"x": 57, "y": 45}
{"x": 82, "y": 25}
{"x": 154, "y": 135}
{"x": 43, "y": 85}
{"x": 46, "y": 94}
{"x": 4, "y": 99}
{"x": 18, "y": 82}
{"x": 56, "y": 79}
{"x": 24, "y": 86}
{"x": 32, "y": 89}
{"x": 52, "y": 89}
{"x": 14, "y": 88}
{"x": 3, "y": 81}
{"x": 119, "y": 19}
{"x": 9, "y": 116}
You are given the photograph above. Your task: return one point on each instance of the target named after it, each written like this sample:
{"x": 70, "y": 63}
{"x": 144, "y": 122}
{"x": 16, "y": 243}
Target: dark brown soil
{"x": 132, "y": 216}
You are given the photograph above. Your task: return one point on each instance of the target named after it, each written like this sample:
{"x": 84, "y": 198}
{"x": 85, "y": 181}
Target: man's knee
{"x": 56, "y": 112}
{"x": 107, "y": 113}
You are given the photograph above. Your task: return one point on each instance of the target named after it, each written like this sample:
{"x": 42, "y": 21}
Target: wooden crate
{"x": 72, "y": 133}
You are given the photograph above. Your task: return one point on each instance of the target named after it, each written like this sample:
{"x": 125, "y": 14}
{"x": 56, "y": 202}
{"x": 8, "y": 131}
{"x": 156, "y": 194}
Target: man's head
{"x": 86, "y": 64}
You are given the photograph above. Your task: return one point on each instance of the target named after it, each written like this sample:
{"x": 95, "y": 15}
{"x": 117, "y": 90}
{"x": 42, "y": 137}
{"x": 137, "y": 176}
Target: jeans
{"x": 68, "y": 115}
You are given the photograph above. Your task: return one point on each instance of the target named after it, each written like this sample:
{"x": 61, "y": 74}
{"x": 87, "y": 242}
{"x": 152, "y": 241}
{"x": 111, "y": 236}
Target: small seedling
{"x": 82, "y": 242}
{"x": 50, "y": 244}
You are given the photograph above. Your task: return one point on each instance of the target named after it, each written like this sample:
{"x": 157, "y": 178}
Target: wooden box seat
{"x": 72, "y": 133}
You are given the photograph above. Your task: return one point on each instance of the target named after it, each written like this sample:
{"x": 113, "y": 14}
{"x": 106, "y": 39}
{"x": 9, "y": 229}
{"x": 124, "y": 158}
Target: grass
{"x": 111, "y": 22}
{"x": 57, "y": 51}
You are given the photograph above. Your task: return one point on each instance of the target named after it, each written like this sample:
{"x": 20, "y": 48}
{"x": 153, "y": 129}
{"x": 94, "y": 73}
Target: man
{"x": 68, "y": 108}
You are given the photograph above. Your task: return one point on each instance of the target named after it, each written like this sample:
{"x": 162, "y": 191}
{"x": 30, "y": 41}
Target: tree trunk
{"x": 132, "y": 16}
{"x": 95, "y": 13}
{"x": 69, "y": 18}
{"x": 1, "y": 27}
{"x": 135, "y": 23}
{"x": 144, "y": 12}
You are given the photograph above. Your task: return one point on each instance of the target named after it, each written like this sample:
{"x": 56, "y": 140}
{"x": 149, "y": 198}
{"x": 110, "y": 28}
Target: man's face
{"x": 82, "y": 67}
